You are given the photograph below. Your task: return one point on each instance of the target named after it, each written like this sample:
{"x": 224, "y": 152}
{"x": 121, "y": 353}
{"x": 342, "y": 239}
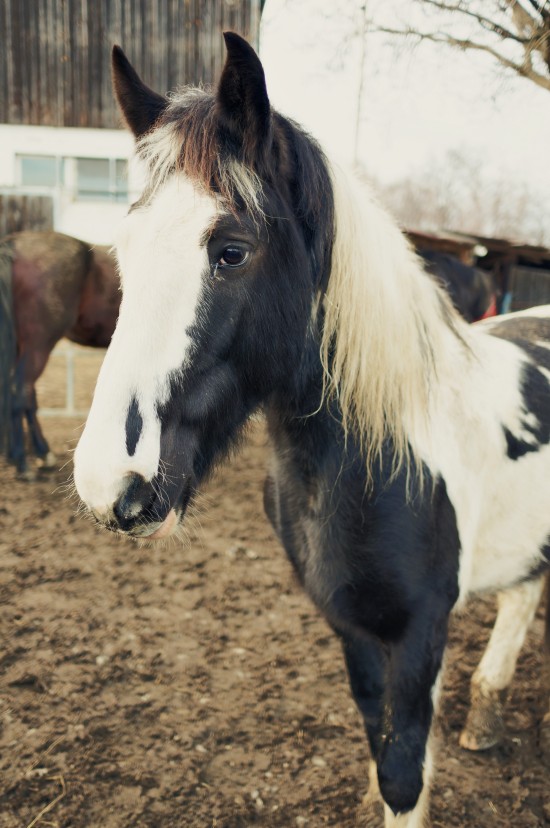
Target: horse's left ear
{"x": 140, "y": 106}
{"x": 243, "y": 105}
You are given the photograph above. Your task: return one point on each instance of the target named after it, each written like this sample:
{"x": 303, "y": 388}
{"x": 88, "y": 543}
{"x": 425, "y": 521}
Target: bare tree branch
{"x": 486, "y": 22}
{"x": 523, "y": 69}
{"x": 542, "y": 8}
{"x": 527, "y": 31}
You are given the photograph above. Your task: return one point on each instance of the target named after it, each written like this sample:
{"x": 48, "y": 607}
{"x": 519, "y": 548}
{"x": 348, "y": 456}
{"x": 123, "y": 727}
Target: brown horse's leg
{"x": 35, "y": 363}
{"x": 39, "y": 442}
{"x": 17, "y": 453}
{"x": 29, "y": 367}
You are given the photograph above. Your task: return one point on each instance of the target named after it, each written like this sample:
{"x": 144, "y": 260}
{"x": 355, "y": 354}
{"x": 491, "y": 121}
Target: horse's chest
{"x": 362, "y": 570}
{"x": 298, "y": 512}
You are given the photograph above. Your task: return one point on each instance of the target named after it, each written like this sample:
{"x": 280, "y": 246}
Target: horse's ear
{"x": 140, "y": 106}
{"x": 243, "y": 105}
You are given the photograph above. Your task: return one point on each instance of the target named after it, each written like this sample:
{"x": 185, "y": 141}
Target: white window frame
{"x": 67, "y": 178}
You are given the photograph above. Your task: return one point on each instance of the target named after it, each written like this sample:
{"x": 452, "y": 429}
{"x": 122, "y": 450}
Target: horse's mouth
{"x": 147, "y": 526}
{"x": 155, "y": 530}
{"x": 162, "y": 530}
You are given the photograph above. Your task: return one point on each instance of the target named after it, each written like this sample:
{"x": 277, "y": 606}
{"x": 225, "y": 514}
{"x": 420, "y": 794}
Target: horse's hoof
{"x": 484, "y": 726}
{"x": 371, "y": 813}
{"x": 478, "y": 741}
{"x": 544, "y": 740}
{"x": 27, "y": 475}
{"x": 48, "y": 462}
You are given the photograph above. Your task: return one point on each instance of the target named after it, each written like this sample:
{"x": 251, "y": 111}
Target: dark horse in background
{"x": 410, "y": 451}
{"x": 51, "y": 286}
{"x": 471, "y": 289}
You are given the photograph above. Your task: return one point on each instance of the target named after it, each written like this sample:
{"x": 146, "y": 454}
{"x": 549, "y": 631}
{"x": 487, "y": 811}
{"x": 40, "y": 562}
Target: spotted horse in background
{"x": 410, "y": 451}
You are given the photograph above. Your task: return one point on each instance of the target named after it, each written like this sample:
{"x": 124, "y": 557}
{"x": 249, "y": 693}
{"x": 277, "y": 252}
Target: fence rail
{"x": 529, "y": 286}
{"x": 71, "y": 354}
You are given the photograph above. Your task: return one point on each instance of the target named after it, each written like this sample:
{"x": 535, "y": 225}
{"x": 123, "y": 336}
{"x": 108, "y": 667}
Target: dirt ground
{"x": 195, "y": 685}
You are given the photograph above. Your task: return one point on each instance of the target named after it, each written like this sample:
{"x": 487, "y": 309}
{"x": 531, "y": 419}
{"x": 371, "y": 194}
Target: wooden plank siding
{"x": 529, "y": 286}
{"x": 25, "y": 212}
{"x": 55, "y": 56}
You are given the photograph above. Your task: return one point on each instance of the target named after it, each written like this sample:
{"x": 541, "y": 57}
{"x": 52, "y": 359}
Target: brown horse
{"x": 51, "y": 286}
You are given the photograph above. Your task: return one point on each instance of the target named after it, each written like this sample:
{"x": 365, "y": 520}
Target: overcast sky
{"x": 418, "y": 102}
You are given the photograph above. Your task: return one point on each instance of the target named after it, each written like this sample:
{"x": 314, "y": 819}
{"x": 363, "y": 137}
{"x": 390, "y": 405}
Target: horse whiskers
{"x": 68, "y": 491}
{"x": 195, "y": 514}
{"x": 82, "y": 513}
{"x": 160, "y": 493}
{"x": 69, "y": 461}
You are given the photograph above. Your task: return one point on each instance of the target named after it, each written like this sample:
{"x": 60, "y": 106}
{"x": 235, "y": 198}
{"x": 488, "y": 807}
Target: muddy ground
{"x": 195, "y": 685}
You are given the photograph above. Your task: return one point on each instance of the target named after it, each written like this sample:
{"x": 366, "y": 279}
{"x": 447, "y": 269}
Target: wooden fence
{"x": 66, "y": 387}
{"x": 25, "y": 212}
{"x": 55, "y": 55}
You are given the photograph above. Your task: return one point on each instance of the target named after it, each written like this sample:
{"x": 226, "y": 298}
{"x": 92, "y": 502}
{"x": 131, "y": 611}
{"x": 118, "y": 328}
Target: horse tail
{"x": 7, "y": 343}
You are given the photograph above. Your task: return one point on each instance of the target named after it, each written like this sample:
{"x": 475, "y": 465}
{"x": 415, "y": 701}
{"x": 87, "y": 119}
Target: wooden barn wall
{"x": 25, "y": 212}
{"x": 529, "y": 286}
{"x": 55, "y": 55}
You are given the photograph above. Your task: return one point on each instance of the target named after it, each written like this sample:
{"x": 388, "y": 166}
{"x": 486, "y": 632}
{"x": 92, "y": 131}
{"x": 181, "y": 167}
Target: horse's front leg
{"x": 394, "y": 688}
{"x": 365, "y": 662}
{"x": 516, "y": 608}
{"x": 48, "y": 460}
{"x": 404, "y": 759}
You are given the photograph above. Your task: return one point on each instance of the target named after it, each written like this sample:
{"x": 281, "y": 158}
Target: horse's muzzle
{"x": 134, "y": 505}
{"x": 143, "y": 510}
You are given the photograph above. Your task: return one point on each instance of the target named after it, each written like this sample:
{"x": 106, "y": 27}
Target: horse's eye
{"x": 233, "y": 256}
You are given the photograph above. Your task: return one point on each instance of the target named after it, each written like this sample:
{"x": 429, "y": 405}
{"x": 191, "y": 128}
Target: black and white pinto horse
{"x": 411, "y": 452}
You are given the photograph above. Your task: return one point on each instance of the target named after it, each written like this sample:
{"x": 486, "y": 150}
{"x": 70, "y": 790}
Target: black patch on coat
{"x": 530, "y": 328}
{"x": 134, "y": 425}
{"x": 542, "y": 566}
{"x": 525, "y": 332}
{"x": 535, "y": 391}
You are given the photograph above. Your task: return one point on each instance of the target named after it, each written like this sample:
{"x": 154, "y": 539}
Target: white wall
{"x": 92, "y": 221}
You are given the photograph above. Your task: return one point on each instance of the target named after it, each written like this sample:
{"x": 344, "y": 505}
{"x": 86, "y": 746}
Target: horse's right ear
{"x": 243, "y": 105}
{"x": 140, "y": 106}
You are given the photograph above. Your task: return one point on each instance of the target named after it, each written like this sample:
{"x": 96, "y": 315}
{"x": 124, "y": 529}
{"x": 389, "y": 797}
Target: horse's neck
{"x": 309, "y": 441}
{"x": 305, "y": 420}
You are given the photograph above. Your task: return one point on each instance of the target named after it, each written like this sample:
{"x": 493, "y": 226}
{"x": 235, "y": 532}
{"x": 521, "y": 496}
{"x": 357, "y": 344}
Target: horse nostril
{"x": 133, "y": 502}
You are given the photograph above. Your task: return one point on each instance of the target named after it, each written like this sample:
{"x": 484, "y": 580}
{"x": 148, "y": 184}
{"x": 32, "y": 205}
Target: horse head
{"x": 220, "y": 260}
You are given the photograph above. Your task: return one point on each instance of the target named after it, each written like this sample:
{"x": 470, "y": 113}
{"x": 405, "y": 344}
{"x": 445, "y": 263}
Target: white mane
{"x": 387, "y": 326}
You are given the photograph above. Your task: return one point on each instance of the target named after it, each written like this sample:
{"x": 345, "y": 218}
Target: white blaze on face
{"x": 162, "y": 266}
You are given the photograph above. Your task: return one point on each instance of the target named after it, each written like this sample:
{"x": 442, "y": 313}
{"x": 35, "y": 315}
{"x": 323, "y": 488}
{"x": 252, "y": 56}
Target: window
{"x": 87, "y": 179}
{"x": 102, "y": 178}
{"x": 39, "y": 170}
